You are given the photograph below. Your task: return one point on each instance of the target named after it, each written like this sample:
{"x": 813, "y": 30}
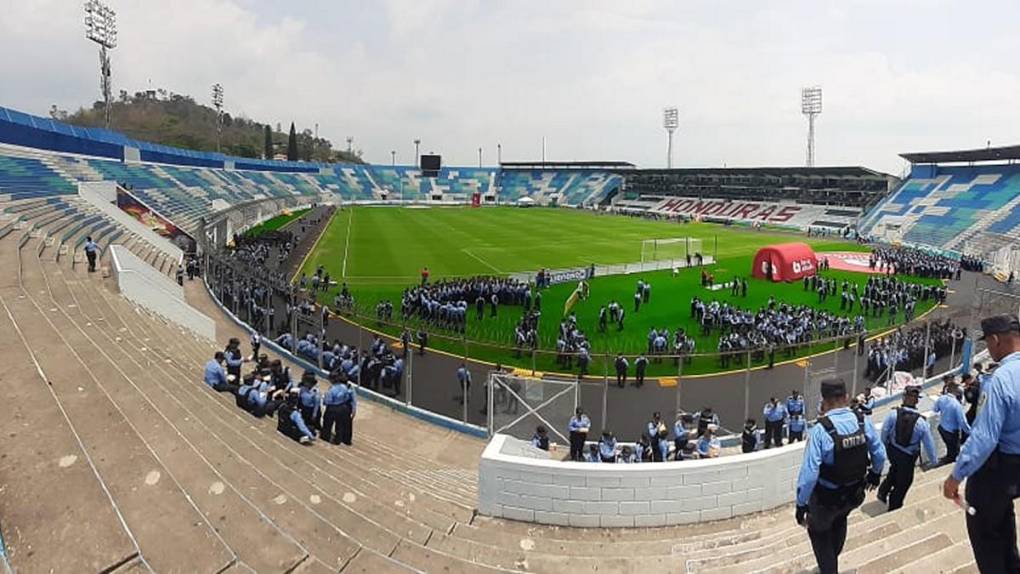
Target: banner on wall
{"x": 158, "y": 224}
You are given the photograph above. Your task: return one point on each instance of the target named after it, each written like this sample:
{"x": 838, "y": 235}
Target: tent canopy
{"x": 785, "y": 262}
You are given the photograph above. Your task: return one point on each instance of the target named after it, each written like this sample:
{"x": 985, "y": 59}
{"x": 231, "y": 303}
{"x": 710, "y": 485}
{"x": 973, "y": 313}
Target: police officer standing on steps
{"x": 91, "y": 250}
{"x": 835, "y": 473}
{"x": 952, "y": 420}
{"x": 341, "y": 405}
{"x": 903, "y": 432}
{"x": 991, "y": 455}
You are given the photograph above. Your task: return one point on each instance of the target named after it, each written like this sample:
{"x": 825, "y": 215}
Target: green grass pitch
{"x": 379, "y": 251}
{"x": 275, "y": 223}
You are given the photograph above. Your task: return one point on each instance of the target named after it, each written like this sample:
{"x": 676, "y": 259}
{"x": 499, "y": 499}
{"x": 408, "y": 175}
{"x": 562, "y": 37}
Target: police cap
{"x": 998, "y": 324}
{"x": 833, "y": 388}
{"x": 912, "y": 391}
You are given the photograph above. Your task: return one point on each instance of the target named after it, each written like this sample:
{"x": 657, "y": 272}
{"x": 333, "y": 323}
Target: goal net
{"x": 675, "y": 249}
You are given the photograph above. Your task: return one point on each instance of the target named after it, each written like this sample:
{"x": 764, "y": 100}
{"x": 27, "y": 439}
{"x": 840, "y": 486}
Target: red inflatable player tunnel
{"x": 788, "y": 262}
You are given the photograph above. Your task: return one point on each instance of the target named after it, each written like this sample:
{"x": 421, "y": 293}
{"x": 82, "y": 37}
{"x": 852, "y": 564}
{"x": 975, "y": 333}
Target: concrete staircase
{"x": 117, "y": 458}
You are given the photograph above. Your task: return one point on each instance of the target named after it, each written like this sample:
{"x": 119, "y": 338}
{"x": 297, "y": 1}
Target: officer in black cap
{"x": 990, "y": 459}
{"x": 904, "y": 431}
{"x": 835, "y": 472}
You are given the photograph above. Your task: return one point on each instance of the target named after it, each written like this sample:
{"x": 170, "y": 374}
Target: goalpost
{"x": 672, "y": 249}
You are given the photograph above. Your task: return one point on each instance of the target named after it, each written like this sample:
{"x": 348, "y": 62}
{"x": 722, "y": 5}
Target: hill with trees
{"x": 177, "y": 120}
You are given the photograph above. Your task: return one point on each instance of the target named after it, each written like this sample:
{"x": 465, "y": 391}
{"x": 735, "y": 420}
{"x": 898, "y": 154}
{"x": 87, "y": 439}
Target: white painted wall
{"x": 514, "y": 484}
{"x": 103, "y": 196}
{"x": 140, "y": 283}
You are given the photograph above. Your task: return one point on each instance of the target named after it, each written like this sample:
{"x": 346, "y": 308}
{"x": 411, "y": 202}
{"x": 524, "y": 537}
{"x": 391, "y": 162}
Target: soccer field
{"x": 379, "y": 251}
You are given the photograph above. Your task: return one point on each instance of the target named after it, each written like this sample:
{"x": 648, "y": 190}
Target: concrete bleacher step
{"x": 259, "y": 542}
{"x": 271, "y": 491}
{"x": 461, "y": 564}
{"x": 905, "y": 554}
{"x": 323, "y": 496}
{"x": 406, "y": 496}
{"x": 41, "y": 451}
{"x": 922, "y": 505}
{"x": 368, "y": 562}
{"x": 151, "y": 504}
{"x": 946, "y": 559}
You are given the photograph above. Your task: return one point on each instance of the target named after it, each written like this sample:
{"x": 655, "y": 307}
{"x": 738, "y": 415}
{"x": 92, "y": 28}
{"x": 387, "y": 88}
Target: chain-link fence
{"x": 518, "y": 404}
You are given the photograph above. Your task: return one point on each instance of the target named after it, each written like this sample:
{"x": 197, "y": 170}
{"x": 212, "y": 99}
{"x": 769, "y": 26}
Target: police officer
{"x": 991, "y": 456}
{"x": 903, "y": 432}
{"x": 341, "y": 405}
{"x": 749, "y": 437}
{"x": 640, "y": 364}
{"x": 794, "y": 403}
{"x": 952, "y": 420}
{"x": 796, "y": 426}
{"x": 91, "y": 250}
{"x": 310, "y": 402}
{"x": 706, "y": 418}
{"x": 234, "y": 358}
{"x": 289, "y": 421}
{"x": 579, "y": 426}
{"x": 621, "y": 370}
{"x": 835, "y": 473}
{"x": 775, "y": 415}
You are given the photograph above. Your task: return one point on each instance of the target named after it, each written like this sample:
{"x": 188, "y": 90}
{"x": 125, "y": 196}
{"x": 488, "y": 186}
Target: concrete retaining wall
{"x": 140, "y": 283}
{"x": 611, "y": 495}
{"x": 515, "y": 482}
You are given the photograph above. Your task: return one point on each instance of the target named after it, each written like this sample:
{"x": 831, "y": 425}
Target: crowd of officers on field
{"x": 267, "y": 390}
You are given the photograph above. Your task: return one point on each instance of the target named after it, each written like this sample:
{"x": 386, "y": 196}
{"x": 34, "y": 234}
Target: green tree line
{"x": 163, "y": 117}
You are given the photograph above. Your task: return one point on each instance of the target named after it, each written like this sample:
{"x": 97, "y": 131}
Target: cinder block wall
{"x": 647, "y": 494}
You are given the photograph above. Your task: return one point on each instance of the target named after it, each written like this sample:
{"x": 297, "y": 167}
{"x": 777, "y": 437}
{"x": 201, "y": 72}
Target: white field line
{"x": 482, "y": 261}
{"x": 347, "y": 242}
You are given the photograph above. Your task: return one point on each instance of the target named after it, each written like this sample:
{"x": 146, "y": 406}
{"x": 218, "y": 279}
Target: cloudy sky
{"x": 591, "y": 76}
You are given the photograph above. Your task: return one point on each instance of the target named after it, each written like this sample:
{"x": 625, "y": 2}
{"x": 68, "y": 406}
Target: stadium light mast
{"x": 417, "y": 158}
{"x": 811, "y": 106}
{"x": 217, "y": 102}
{"x": 670, "y": 121}
{"x": 101, "y": 28}
{"x": 479, "y": 158}
{"x": 499, "y": 153}
{"x": 350, "y": 144}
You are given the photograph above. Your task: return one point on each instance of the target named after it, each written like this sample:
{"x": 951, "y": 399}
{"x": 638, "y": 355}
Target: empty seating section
{"x": 399, "y": 181}
{"x": 26, "y": 177}
{"x": 570, "y": 187}
{"x": 945, "y": 206}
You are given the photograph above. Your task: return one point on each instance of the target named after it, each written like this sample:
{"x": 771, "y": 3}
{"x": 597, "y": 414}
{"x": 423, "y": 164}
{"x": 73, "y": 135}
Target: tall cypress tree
{"x": 292, "y": 153}
{"x": 269, "y": 142}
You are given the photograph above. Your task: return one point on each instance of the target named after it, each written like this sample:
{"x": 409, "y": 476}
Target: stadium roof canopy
{"x": 606, "y": 165}
{"x": 834, "y": 171}
{"x": 1006, "y": 153}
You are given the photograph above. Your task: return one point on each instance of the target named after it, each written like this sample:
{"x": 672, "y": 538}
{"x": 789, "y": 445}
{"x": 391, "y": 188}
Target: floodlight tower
{"x": 670, "y": 121}
{"x": 811, "y": 106}
{"x": 101, "y": 28}
{"x": 417, "y": 142}
{"x": 217, "y": 102}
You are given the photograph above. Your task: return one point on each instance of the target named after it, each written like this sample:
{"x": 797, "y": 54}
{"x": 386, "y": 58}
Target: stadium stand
{"x": 120, "y": 443}
{"x": 174, "y": 456}
{"x": 837, "y": 186}
{"x": 957, "y": 208}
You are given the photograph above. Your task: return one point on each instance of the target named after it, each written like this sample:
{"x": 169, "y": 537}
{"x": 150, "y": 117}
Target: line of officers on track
{"x": 845, "y": 456}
